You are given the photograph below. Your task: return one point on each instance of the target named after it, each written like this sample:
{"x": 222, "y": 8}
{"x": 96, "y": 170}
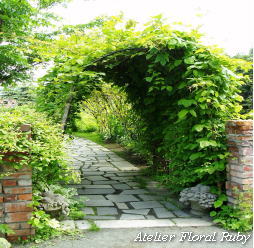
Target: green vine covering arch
{"x": 182, "y": 90}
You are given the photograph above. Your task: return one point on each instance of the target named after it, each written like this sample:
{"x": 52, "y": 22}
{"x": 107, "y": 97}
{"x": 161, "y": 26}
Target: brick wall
{"x": 15, "y": 196}
{"x": 240, "y": 163}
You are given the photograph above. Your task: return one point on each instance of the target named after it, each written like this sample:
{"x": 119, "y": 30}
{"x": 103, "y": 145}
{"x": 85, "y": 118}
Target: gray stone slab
{"x": 170, "y": 205}
{"x": 105, "y": 182}
{"x": 103, "y": 164}
{"x": 99, "y": 203}
{"x": 121, "y": 205}
{"x": 108, "y": 169}
{"x": 191, "y": 222}
{"x": 95, "y": 191}
{"x": 134, "y": 192}
{"x": 107, "y": 211}
{"x": 151, "y": 217}
{"x": 134, "y": 223}
{"x": 132, "y": 184}
{"x": 150, "y": 197}
{"x": 124, "y": 165}
{"x": 94, "y": 178}
{"x": 116, "y": 159}
{"x": 100, "y": 217}
{"x": 121, "y": 178}
{"x": 131, "y": 217}
{"x": 146, "y": 204}
{"x": 109, "y": 174}
{"x": 82, "y": 224}
{"x": 121, "y": 186}
{"x": 180, "y": 213}
{"x": 86, "y": 182}
{"x": 125, "y": 179}
{"x": 67, "y": 224}
{"x": 88, "y": 211}
{"x": 137, "y": 211}
{"x": 163, "y": 213}
{"x": 122, "y": 198}
{"x": 94, "y": 197}
{"x": 126, "y": 173}
{"x": 93, "y": 173}
{"x": 97, "y": 186}
{"x": 82, "y": 159}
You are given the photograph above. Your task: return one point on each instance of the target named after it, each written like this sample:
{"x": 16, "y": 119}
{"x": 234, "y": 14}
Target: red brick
{"x": 247, "y": 168}
{"x": 18, "y": 190}
{"x": 240, "y": 174}
{"x": 25, "y": 175}
{"x": 17, "y": 207}
{"x": 23, "y": 232}
{"x": 25, "y": 226}
{"x": 8, "y": 198}
{"x": 27, "y": 197}
{"x": 16, "y": 217}
{"x": 9, "y": 182}
{"x": 14, "y": 226}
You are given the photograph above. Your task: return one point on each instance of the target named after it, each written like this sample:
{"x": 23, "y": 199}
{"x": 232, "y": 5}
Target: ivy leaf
{"x": 177, "y": 62}
{"x": 205, "y": 143}
{"x": 181, "y": 85}
{"x": 149, "y": 79}
{"x": 219, "y": 165}
{"x": 163, "y": 58}
{"x": 186, "y": 102}
{"x": 193, "y": 113}
{"x": 218, "y": 203}
{"x": 182, "y": 114}
{"x": 213, "y": 213}
{"x": 169, "y": 88}
{"x": 198, "y": 127}
{"x": 189, "y": 60}
{"x": 151, "y": 53}
{"x": 194, "y": 156}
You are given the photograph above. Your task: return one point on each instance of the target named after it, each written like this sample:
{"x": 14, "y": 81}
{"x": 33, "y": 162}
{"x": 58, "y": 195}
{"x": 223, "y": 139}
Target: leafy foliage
{"x": 44, "y": 152}
{"x": 247, "y": 87}
{"x": 238, "y": 218}
{"x": 182, "y": 91}
{"x": 18, "y": 22}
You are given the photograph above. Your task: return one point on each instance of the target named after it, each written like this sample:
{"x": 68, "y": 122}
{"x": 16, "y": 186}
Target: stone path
{"x": 113, "y": 196}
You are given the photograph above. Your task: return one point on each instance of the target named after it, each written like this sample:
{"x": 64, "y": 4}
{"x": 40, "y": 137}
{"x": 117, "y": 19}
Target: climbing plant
{"x": 182, "y": 90}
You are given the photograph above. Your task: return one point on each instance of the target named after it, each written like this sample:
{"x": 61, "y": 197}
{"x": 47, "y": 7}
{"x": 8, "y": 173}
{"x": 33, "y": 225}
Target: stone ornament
{"x": 199, "y": 197}
{"x": 55, "y": 204}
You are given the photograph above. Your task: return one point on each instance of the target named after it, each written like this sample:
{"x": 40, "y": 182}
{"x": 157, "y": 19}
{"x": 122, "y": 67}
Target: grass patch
{"x": 93, "y": 136}
{"x": 93, "y": 227}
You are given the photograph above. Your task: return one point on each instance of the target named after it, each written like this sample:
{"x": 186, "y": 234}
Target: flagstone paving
{"x": 112, "y": 194}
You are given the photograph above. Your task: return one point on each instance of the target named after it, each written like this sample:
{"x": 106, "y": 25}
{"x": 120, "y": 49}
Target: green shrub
{"x": 238, "y": 217}
{"x": 86, "y": 123}
{"x": 44, "y": 152}
{"x": 76, "y": 215}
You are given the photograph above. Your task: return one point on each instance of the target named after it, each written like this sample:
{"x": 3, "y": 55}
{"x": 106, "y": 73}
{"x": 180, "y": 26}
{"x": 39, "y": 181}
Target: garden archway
{"x": 183, "y": 91}
{"x": 183, "y": 96}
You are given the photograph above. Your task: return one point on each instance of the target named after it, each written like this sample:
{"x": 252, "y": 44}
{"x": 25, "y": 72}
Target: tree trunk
{"x": 67, "y": 109}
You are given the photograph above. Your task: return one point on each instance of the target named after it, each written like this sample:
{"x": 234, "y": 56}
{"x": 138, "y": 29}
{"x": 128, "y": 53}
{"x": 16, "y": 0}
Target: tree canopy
{"x": 20, "y": 20}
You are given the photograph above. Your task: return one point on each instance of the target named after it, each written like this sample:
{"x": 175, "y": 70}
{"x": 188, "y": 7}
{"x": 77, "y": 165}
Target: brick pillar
{"x": 16, "y": 195}
{"x": 240, "y": 163}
